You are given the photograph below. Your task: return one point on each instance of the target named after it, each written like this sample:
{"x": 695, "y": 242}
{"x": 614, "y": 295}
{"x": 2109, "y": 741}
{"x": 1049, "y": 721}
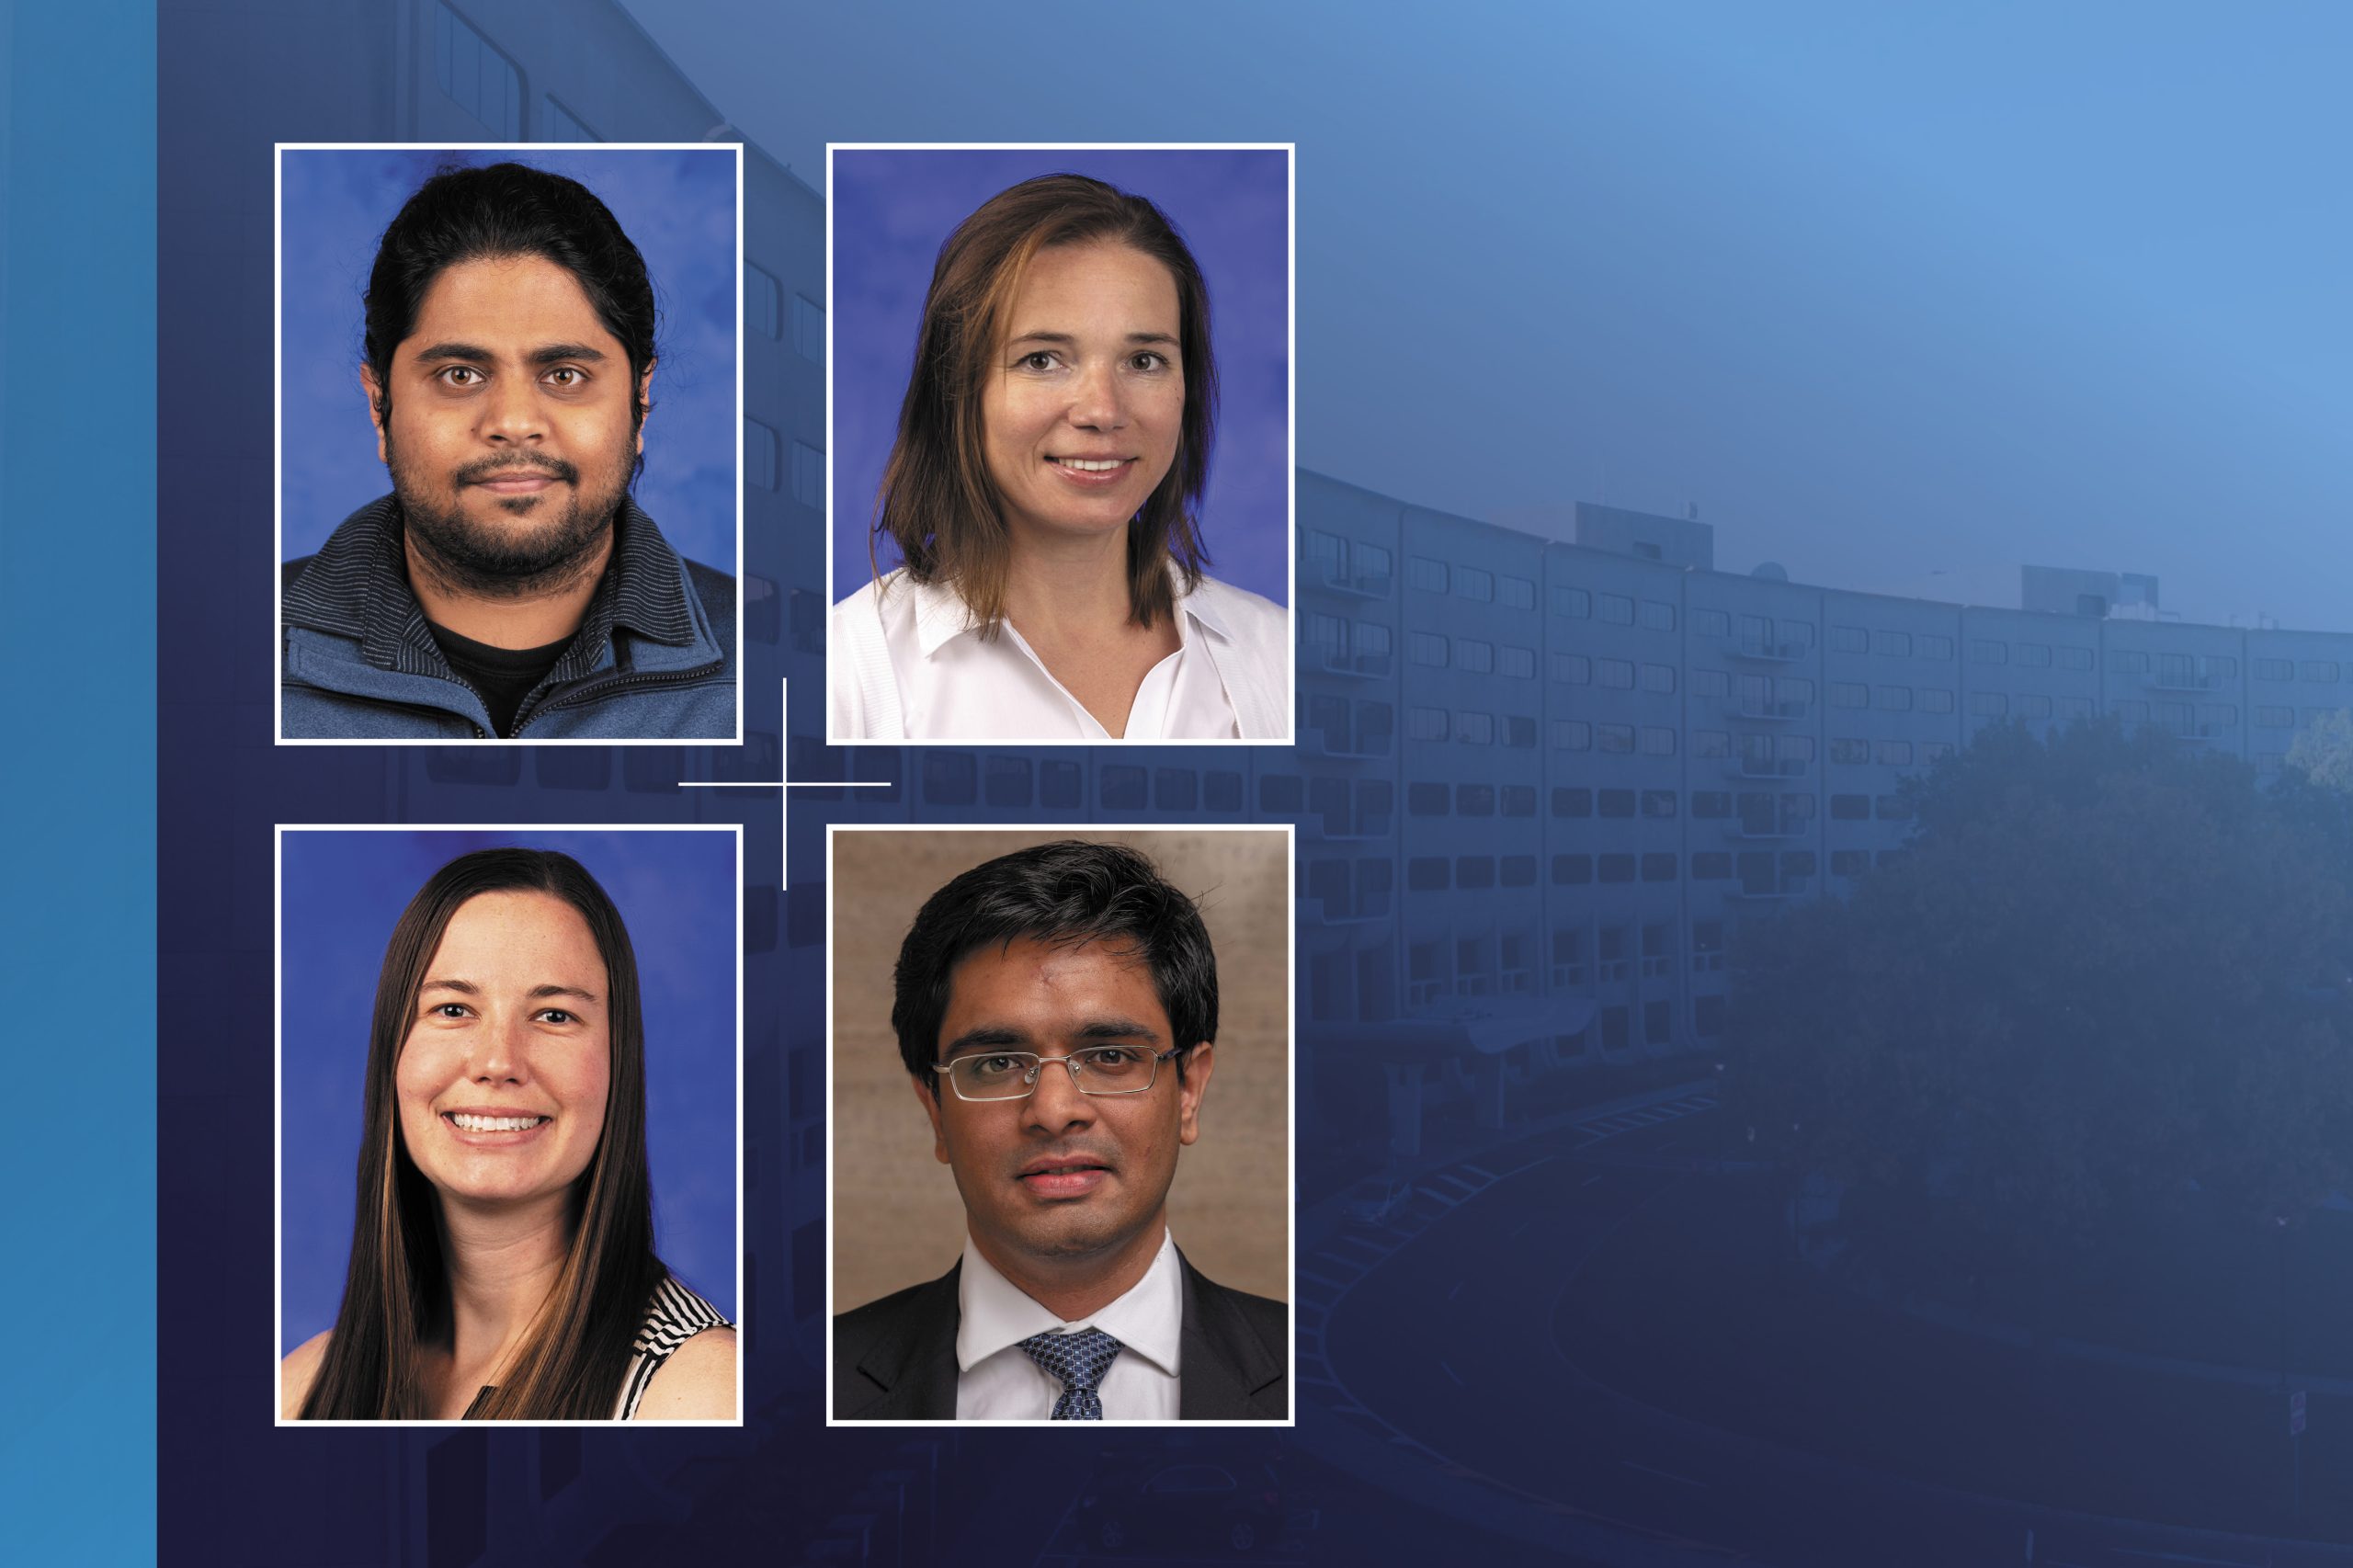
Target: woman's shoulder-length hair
{"x": 937, "y": 502}
{"x": 396, "y": 1288}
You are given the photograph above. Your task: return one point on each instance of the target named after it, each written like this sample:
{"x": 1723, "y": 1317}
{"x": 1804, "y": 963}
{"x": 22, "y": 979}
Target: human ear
{"x": 930, "y": 1099}
{"x": 1197, "y": 1062}
{"x": 375, "y": 392}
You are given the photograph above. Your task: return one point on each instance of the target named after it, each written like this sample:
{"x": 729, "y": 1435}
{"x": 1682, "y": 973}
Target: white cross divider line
{"x": 1482, "y": 1175}
{"x": 781, "y": 783}
{"x": 1442, "y": 1197}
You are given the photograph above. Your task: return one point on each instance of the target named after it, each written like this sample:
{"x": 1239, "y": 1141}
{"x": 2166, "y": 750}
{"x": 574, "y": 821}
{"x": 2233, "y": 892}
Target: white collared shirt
{"x": 906, "y": 661}
{"x": 997, "y": 1382}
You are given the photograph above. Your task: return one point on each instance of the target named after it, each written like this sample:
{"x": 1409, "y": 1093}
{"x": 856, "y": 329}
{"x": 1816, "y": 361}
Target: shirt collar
{"x": 941, "y": 615}
{"x": 997, "y": 1314}
{"x": 358, "y": 587}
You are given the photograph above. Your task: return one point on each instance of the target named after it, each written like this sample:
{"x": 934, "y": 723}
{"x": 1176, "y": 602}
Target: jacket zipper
{"x": 587, "y": 693}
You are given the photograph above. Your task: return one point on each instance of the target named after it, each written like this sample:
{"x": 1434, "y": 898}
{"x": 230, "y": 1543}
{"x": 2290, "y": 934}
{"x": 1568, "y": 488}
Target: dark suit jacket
{"x": 895, "y": 1359}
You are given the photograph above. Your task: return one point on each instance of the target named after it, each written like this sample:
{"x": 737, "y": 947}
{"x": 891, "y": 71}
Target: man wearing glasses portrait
{"x": 1056, "y": 1011}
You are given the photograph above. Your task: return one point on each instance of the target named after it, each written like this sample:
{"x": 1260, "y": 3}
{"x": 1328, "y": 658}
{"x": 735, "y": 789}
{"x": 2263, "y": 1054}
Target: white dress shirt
{"x": 997, "y": 1382}
{"x": 906, "y": 661}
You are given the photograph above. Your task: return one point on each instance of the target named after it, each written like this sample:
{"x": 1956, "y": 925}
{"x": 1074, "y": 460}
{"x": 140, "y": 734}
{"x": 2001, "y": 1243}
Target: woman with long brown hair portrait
{"x": 502, "y": 1261}
{"x": 1043, "y": 497}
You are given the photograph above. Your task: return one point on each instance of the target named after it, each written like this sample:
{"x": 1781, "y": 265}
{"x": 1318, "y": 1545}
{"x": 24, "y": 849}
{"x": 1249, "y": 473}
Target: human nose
{"x": 1056, "y": 1104}
{"x": 499, "y": 1054}
{"x": 1099, "y": 400}
{"x": 512, "y": 414}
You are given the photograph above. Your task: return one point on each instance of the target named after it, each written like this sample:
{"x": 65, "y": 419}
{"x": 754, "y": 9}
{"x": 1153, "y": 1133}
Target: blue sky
{"x": 1880, "y": 291}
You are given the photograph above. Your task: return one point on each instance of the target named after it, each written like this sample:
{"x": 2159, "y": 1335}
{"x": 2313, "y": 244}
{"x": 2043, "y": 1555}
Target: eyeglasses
{"x": 1013, "y": 1075}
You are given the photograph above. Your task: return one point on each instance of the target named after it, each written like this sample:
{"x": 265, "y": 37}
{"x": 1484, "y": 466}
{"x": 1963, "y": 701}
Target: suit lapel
{"x": 1228, "y": 1374}
{"x": 913, "y": 1364}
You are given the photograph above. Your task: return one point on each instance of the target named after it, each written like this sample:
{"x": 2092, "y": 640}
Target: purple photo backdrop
{"x": 341, "y": 892}
{"x": 678, "y": 205}
{"x": 892, "y": 210}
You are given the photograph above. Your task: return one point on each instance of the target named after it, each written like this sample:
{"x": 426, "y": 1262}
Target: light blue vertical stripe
{"x": 77, "y": 916}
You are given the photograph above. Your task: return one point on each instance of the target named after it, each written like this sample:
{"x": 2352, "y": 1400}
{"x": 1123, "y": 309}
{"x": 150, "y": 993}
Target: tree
{"x": 2089, "y": 985}
{"x": 2322, "y": 752}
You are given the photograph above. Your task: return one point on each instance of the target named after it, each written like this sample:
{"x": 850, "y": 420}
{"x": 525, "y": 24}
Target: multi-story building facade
{"x": 1544, "y": 780}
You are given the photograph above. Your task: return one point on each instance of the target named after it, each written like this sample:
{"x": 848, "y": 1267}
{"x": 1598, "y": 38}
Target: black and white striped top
{"x": 675, "y": 1315}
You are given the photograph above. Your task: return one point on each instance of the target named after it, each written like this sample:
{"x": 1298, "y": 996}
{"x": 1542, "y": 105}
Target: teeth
{"x": 497, "y": 1123}
{"x": 1085, "y": 466}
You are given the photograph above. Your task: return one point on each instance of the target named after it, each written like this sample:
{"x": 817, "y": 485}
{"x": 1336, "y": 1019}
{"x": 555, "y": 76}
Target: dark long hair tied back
{"x": 396, "y": 1290}
{"x": 937, "y": 504}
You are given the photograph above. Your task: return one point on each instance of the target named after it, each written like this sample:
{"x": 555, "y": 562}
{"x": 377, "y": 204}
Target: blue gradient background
{"x": 342, "y": 893}
{"x": 1884, "y": 289}
{"x": 677, "y": 206}
{"x": 893, "y": 210}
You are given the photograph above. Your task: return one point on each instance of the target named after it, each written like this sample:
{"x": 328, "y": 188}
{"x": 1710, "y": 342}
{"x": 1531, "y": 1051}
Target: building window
{"x": 1850, "y": 862}
{"x": 1473, "y": 654}
{"x": 1893, "y": 753}
{"x": 1572, "y": 871}
{"x": 2074, "y": 707}
{"x": 1426, "y": 873}
{"x": 475, "y": 76}
{"x": 1519, "y": 871}
{"x": 1615, "y": 739}
{"x": 1891, "y": 698}
{"x": 1988, "y": 650}
{"x": 1988, "y": 704}
{"x": 1122, "y": 788}
{"x": 1006, "y": 780}
{"x": 2037, "y": 705}
{"x": 1571, "y": 734}
{"x": 1850, "y": 694}
{"x": 2274, "y": 669}
{"x": 1424, "y": 575}
{"x": 2035, "y": 655}
{"x": 761, "y": 459}
{"x": 2072, "y": 658}
{"x": 949, "y": 778}
{"x": 1711, "y": 744}
{"x": 1616, "y": 674}
{"x": 1573, "y": 603}
{"x": 2321, "y": 670}
{"x": 1658, "y": 617}
{"x": 1935, "y": 699}
{"x": 1517, "y": 593}
{"x": 559, "y": 124}
{"x": 1470, "y": 583}
{"x": 1658, "y": 678}
{"x": 1475, "y": 729}
{"x": 1520, "y": 731}
{"x": 1282, "y": 794}
{"x": 1572, "y": 669}
{"x": 1712, "y": 866}
{"x": 1517, "y": 662}
{"x": 1059, "y": 785}
{"x": 1892, "y": 808}
{"x": 1617, "y": 610}
{"x": 1658, "y": 868}
{"x": 1176, "y": 790}
{"x": 1426, "y": 648}
{"x": 1849, "y": 639}
{"x": 1932, "y": 645}
{"x": 1711, "y": 804}
{"x": 1891, "y": 644}
{"x": 1568, "y": 802}
{"x": 1475, "y": 800}
{"x": 1426, "y": 724}
{"x": 1850, "y": 808}
{"x": 762, "y": 302}
{"x": 808, "y": 475}
{"x": 1425, "y": 800}
{"x": 2273, "y": 718}
{"x": 1657, "y": 741}
{"x": 1710, "y": 623}
{"x": 1615, "y": 868}
{"x": 809, "y": 329}
{"x": 1710, "y": 683}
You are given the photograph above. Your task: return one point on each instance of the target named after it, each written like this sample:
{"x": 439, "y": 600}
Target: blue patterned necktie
{"x": 1079, "y": 1361}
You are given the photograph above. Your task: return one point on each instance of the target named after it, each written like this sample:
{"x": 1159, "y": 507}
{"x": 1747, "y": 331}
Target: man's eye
{"x": 986, "y": 1068}
{"x": 567, "y": 376}
{"x": 1112, "y": 1056}
{"x": 459, "y": 376}
{"x": 557, "y": 1015}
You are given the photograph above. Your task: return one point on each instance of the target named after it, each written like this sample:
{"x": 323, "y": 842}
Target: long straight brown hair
{"x": 937, "y": 502}
{"x": 396, "y": 1290}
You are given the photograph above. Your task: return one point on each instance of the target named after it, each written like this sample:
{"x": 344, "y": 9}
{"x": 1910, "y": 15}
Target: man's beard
{"x": 563, "y": 542}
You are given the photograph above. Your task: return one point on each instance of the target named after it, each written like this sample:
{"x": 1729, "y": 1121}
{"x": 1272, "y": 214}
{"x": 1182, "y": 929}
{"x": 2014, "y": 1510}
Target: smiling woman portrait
{"x": 501, "y": 1261}
{"x": 1043, "y": 497}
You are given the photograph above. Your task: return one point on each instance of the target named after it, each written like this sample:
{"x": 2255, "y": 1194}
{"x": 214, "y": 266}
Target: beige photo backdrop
{"x": 897, "y": 1221}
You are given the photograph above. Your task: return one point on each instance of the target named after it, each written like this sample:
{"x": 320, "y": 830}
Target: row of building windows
{"x": 1758, "y": 870}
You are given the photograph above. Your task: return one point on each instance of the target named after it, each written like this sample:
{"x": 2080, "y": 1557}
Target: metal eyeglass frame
{"x": 1038, "y": 1069}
